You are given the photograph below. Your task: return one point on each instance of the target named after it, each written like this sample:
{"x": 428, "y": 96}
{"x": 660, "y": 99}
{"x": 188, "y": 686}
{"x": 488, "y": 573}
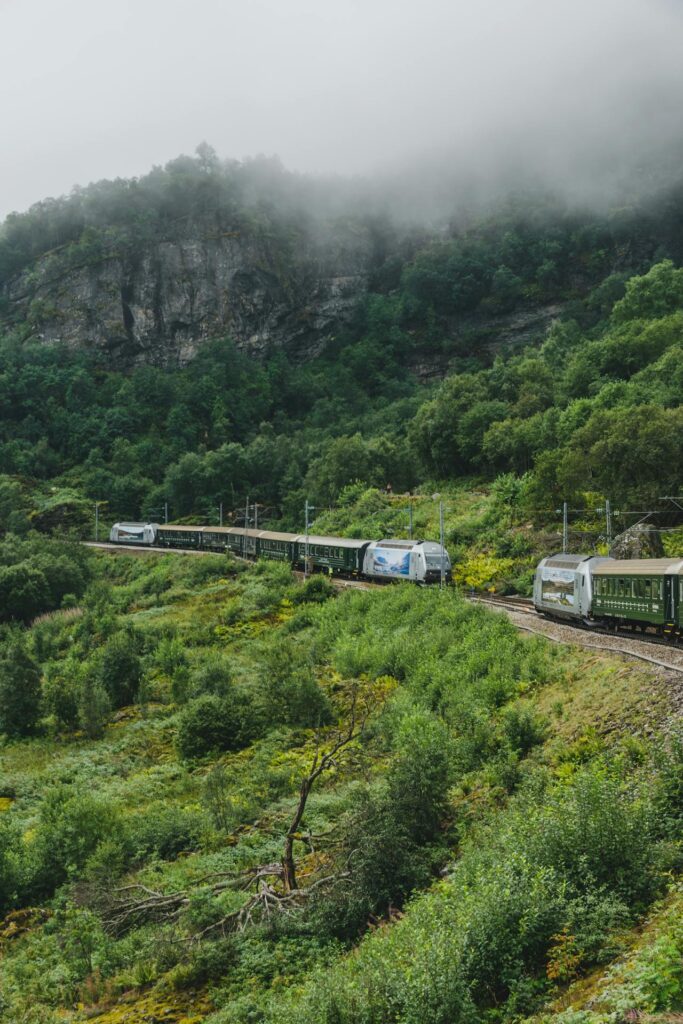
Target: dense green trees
{"x": 224, "y": 426}
{"x": 37, "y": 574}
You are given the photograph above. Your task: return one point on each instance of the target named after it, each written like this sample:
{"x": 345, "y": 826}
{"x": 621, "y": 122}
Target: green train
{"x": 422, "y": 561}
{"x": 638, "y": 593}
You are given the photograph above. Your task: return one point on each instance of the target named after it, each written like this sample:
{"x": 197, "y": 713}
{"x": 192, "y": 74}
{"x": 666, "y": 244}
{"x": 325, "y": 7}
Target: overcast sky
{"x": 95, "y": 89}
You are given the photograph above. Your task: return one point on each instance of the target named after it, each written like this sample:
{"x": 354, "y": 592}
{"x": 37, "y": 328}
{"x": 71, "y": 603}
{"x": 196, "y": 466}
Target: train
{"x": 420, "y": 561}
{"x": 645, "y": 594}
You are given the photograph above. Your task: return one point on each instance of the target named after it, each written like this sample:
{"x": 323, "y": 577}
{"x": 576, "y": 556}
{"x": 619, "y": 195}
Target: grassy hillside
{"x": 498, "y": 819}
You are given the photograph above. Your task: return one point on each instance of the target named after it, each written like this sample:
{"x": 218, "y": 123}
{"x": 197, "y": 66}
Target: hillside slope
{"x": 497, "y": 819}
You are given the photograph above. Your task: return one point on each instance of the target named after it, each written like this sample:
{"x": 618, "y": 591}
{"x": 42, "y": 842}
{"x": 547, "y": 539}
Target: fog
{"x": 421, "y": 99}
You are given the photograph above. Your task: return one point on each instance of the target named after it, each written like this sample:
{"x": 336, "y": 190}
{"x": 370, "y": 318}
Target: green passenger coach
{"x": 180, "y": 536}
{"x": 273, "y": 544}
{"x": 336, "y": 554}
{"x": 645, "y": 592}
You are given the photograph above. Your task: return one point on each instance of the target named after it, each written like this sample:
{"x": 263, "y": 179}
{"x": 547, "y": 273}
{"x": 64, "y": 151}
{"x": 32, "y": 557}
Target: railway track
{"x": 515, "y": 606}
{"x": 130, "y": 549}
{"x": 521, "y": 604}
{"x": 525, "y": 617}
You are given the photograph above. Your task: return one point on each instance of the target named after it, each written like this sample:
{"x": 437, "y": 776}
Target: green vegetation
{"x": 587, "y": 410}
{"x": 228, "y": 797}
{"x": 242, "y": 799}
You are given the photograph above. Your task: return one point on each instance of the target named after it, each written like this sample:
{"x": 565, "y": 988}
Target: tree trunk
{"x": 289, "y": 870}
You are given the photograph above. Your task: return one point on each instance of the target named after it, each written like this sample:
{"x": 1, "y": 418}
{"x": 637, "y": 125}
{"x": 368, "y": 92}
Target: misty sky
{"x": 95, "y": 89}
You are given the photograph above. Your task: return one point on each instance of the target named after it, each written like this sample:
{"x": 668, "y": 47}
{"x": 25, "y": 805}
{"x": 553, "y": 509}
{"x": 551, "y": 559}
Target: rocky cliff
{"x": 267, "y": 286}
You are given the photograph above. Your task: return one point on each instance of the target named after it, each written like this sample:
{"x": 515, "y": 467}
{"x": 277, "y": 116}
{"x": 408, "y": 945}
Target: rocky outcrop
{"x": 640, "y": 541}
{"x": 279, "y": 286}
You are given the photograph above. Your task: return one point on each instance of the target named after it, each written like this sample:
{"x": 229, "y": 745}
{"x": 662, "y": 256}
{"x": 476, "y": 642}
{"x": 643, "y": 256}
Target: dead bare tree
{"x": 322, "y": 761}
{"x": 272, "y": 888}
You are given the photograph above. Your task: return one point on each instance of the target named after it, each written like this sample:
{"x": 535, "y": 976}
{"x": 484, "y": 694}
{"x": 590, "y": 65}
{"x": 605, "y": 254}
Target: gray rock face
{"x": 641, "y": 541}
{"x": 157, "y": 303}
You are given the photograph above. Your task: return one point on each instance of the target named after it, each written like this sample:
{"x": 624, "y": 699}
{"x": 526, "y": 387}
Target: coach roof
{"x": 640, "y": 567}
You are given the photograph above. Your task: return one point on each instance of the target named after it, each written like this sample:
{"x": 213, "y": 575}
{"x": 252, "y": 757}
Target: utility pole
{"x": 246, "y": 525}
{"x": 608, "y": 517}
{"x": 220, "y": 514}
{"x": 309, "y": 508}
{"x": 166, "y": 512}
{"x": 410, "y": 522}
{"x": 565, "y": 528}
{"x": 255, "y": 515}
{"x": 442, "y": 571}
{"x": 97, "y": 521}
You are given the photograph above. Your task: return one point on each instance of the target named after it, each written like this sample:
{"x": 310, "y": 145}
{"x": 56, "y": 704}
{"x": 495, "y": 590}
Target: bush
{"x": 61, "y": 693}
{"x": 522, "y": 729}
{"x": 211, "y": 724}
{"x": 391, "y": 840}
{"x": 71, "y": 826}
{"x": 213, "y": 675}
{"x": 24, "y": 591}
{"x": 94, "y": 707}
{"x": 164, "y": 832}
{"x": 289, "y": 691}
{"x": 118, "y": 668}
{"x": 316, "y": 589}
{"x": 19, "y": 690}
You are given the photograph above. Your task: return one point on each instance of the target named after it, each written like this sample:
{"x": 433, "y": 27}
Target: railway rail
{"x": 565, "y": 632}
{"x": 513, "y": 605}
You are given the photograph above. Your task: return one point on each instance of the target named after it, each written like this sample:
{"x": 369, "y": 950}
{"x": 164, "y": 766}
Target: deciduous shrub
{"x": 210, "y": 724}
{"x": 118, "y": 667}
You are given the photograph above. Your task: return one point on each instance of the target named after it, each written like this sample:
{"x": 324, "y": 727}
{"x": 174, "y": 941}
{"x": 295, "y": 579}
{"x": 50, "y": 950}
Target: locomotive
{"x": 638, "y": 593}
{"x": 421, "y": 561}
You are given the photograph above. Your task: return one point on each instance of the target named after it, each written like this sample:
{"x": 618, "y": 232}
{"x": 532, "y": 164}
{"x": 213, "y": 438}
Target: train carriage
{"x": 241, "y": 542}
{"x": 643, "y": 592}
{"x": 215, "y": 538}
{"x": 339, "y": 554}
{"x": 179, "y": 536}
{"x": 276, "y": 545}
